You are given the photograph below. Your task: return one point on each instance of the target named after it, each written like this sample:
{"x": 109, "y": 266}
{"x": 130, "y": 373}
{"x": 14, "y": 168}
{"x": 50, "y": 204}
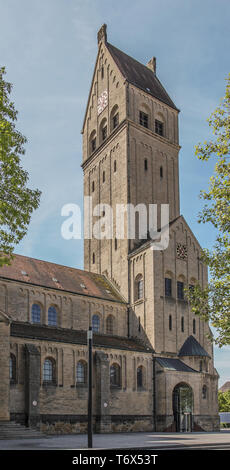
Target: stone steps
{"x": 12, "y": 430}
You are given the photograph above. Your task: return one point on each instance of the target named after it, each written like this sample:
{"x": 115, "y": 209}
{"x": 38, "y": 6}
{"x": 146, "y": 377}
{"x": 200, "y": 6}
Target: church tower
{"x": 130, "y": 154}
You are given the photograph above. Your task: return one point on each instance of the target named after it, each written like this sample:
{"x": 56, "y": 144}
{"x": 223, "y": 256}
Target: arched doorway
{"x": 183, "y": 407}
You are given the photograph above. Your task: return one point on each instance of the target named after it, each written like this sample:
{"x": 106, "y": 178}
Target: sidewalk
{"x": 121, "y": 440}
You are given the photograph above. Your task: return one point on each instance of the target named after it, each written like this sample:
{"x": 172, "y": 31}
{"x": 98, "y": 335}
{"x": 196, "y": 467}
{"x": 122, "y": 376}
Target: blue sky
{"x": 49, "y": 49}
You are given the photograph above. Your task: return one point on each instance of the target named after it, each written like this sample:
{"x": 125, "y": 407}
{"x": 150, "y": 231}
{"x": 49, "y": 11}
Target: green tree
{"x": 17, "y": 201}
{"x": 213, "y": 302}
{"x": 224, "y": 401}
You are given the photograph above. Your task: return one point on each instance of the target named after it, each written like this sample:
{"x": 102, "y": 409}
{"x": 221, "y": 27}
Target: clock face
{"x": 181, "y": 251}
{"x": 102, "y": 102}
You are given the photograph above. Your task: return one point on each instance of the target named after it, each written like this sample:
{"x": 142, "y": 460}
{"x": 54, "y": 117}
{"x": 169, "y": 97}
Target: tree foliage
{"x": 224, "y": 401}
{"x": 17, "y": 201}
{"x": 213, "y": 302}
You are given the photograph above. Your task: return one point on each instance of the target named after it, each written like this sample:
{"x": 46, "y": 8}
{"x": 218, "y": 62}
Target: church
{"x": 153, "y": 366}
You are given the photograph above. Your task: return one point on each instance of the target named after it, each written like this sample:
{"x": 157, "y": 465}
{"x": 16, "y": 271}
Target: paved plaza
{"x": 209, "y": 440}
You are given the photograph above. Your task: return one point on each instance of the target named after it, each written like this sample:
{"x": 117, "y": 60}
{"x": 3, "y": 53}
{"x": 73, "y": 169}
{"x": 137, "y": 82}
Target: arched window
{"x": 170, "y": 322}
{"x": 36, "y": 313}
{"x": 110, "y": 325}
{"x": 103, "y": 130}
{"x": 180, "y": 290}
{"x": 81, "y": 372}
{"x": 96, "y": 323}
{"x": 49, "y": 370}
{"x": 115, "y": 375}
{"x": 204, "y": 392}
{"x": 92, "y": 142}
{"x": 12, "y": 369}
{"x": 52, "y": 316}
{"x": 139, "y": 287}
{"x": 168, "y": 287}
{"x": 140, "y": 377}
{"x": 114, "y": 118}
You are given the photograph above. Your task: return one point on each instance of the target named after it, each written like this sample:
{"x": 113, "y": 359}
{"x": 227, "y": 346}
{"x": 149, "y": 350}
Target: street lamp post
{"x": 90, "y": 401}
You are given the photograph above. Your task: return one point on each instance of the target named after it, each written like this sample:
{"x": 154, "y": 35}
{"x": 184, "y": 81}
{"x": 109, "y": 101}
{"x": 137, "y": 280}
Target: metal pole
{"x": 90, "y": 404}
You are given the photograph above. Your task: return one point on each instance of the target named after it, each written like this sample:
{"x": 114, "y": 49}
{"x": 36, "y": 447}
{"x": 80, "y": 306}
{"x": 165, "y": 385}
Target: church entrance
{"x": 183, "y": 407}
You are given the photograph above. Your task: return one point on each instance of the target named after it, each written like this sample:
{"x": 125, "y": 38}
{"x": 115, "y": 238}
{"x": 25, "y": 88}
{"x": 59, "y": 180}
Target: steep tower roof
{"x": 191, "y": 347}
{"x": 139, "y": 75}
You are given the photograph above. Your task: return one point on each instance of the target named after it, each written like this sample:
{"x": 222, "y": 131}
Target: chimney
{"x": 152, "y": 64}
{"x": 102, "y": 34}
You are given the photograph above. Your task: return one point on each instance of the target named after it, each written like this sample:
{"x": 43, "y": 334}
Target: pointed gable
{"x": 191, "y": 347}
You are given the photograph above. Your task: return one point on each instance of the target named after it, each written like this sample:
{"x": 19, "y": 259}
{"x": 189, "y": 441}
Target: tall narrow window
{"x": 110, "y": 325}
{"x": 115, "y": 375}
{"x": 180, "y": 290}
{"x": 36, "y": 313}
{"x": 115, "y": 166}
{"x": 96, "y": 323}
{"x": 81, "y": 372}
{"x": 170, "y": 322}
{"x": 159, "y": 127}
{"x": 115, "y": 120}
{"x": 52, "y": 316}
{"x": 104, "y": 133}
{"x": 204, "y": 392}
{"x": 201, "y": 366}
{"x": 194, "y": 326}
{"x": 144, "y": 119}
{"x": 115, "y": 243}
{"x": 93, "y": 258}
{"x": 93, "y": 187}
{"x": 49, "y": 371}
{"x": 140, "y": 289}
{"x": 140, "y": 377}
{"x": 161, "y": 171}
{"x": 93, "y": 144}
{"x": 146, "y": 164}
{"x": 182, "y": 324}
{"x": 103, "y": 176}
{"x": 12, "y": 369}
{"x": 168, "y": 287}
{"x": 102, "y": 72}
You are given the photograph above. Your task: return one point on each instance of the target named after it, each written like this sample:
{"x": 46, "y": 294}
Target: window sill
{"x": 81, "y": 385}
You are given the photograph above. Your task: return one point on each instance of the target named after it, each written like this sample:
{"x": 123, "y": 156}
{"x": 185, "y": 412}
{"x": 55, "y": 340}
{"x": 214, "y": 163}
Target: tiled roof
{"x": 191, "y": 347}
{"x": 64, "y": 335}
{"x": 225, "y": 387}
{"x": 42, "y": 273}
{"x": 174, "y": 364}
{"x": 139, "y": 75}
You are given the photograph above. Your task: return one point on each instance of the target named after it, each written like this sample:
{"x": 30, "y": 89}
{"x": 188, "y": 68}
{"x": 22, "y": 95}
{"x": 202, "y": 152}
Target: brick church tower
{"x": 130, "y": 156}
